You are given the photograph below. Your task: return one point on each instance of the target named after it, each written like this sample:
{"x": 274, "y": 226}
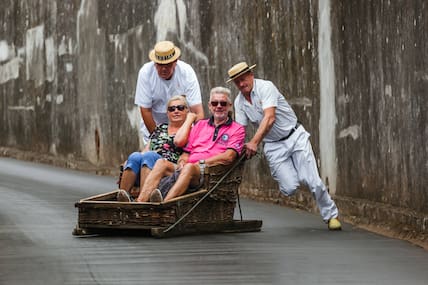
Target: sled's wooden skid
{"x": 235, "y": 226}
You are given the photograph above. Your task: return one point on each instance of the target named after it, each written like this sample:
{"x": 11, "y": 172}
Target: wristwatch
{"x": 202, "y": 166}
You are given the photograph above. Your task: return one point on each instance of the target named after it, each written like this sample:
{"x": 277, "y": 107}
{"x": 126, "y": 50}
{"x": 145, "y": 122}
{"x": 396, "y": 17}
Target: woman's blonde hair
{"x": 181, "y": 98}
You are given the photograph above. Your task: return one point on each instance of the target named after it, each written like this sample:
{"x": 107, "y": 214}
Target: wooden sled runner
{"x": 209, "y": 210}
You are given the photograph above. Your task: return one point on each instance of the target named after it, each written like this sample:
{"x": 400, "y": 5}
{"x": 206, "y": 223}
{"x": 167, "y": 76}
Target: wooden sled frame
{"x": 209, "y": 210}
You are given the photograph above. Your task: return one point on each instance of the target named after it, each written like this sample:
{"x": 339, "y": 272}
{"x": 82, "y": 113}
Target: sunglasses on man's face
{"x": 215, "y": 103}
{"x": 179, "y": 107}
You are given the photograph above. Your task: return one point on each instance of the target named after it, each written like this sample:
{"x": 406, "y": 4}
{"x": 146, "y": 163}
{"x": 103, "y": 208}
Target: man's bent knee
{"x": 288, "y": 190}
{"x": 287, "y": 185}
{"x": 160, "y": 165}
{"x": 191, "y": 171}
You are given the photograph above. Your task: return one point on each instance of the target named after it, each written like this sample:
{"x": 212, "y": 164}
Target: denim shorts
{"x": 137, "y": 160}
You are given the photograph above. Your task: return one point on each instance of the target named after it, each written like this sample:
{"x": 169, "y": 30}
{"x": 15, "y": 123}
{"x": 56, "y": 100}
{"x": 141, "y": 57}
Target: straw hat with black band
{"x": 239, "y": 69}
{"x": 164, "y": 52}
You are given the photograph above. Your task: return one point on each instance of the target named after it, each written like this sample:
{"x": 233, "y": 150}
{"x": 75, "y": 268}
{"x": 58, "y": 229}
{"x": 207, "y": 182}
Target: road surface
{"x": 37, "y": 216}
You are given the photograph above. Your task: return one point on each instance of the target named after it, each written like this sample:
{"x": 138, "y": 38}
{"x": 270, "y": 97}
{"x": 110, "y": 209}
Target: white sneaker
{"x": 123, "y": 196}
{"x": 156, "y": 196}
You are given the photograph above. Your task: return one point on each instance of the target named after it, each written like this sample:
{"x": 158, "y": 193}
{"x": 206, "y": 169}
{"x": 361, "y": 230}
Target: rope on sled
{"x": 207, "y": 194}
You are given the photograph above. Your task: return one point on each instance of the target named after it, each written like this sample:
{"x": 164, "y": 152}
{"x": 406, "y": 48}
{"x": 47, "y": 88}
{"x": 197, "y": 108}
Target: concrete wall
{"x": 381, "y": 100}
{"x": 356, "y": 73}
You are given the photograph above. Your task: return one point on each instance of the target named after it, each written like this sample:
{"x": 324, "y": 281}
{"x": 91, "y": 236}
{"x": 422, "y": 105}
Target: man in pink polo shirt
{"x": 215, "y": 141}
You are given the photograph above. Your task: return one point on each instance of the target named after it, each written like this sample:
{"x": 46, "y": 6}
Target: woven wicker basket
{"x": 103, "y": 211}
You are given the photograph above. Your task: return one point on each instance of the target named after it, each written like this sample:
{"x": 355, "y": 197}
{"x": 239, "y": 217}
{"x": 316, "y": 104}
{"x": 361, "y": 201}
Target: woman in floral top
{"x": 166, "y": 142}
{"x": 163, "y": 144}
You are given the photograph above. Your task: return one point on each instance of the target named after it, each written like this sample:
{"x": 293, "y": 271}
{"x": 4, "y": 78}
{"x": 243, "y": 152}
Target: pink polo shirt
{"x": 205, "y": 140}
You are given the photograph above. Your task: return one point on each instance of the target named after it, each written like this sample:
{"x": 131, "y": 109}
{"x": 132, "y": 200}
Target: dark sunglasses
{"x": 215, "y": 103}
{"x": 179, "y": 107}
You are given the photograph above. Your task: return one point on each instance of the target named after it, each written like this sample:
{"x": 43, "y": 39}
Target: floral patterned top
{"x": 163, "y": 144}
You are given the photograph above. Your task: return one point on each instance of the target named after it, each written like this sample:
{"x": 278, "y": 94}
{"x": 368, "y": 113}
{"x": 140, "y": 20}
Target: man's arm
{"x": 198, "y": 110}
{"x": 224, "y": 158}
{"x": 264, "y": 127}
{"x": 146, "y": 115}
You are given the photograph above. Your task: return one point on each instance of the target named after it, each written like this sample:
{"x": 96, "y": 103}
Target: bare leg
{"x": 128, "y": 180}
{"x": 135, "y": 191}
{"x": 189, "y": 176}
{"x": 144, "y": 173}
{"x": 161, "y": 169}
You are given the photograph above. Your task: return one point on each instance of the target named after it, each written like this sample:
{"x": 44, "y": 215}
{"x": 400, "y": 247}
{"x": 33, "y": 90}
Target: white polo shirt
{"x": 154, "y": 92}
{"x": 265, "y": 95}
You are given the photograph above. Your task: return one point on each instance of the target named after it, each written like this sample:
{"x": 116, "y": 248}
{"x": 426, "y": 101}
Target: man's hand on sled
{"x": 250, "y": 149}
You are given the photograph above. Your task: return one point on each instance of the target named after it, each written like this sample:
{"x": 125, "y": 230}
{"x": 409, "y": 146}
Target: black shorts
{"x": 168, "y": 181}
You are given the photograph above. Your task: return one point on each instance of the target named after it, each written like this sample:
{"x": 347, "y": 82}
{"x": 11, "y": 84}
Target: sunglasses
{"x": 179, "y": 107}
{"x": 215, "y": 103}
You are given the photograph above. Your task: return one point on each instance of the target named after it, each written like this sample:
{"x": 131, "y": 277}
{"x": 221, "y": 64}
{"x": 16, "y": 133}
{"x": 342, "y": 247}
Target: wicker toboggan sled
{"x": 208, "y": 210}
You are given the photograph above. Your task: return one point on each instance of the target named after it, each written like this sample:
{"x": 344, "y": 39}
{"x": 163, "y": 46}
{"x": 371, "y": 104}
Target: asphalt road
{"x": 37, "y": 216}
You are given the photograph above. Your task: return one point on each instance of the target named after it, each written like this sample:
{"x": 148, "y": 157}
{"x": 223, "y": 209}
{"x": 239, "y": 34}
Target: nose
{"x": 241, "y": 84}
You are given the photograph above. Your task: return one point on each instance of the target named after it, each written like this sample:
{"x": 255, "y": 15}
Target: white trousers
{"x": 292, "y": 162}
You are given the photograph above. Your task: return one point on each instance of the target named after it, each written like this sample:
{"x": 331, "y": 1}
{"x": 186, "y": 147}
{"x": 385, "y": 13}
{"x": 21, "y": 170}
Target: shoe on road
{"x": 334, "y": 225}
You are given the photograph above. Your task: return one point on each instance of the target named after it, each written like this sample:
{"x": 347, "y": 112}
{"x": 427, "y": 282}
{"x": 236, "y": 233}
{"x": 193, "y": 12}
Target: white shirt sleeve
{"x": 192, "y": 88}
{"x": 240, "y": 116}
{"x": 143, "y": 94}
{"x": 268, "y": 94}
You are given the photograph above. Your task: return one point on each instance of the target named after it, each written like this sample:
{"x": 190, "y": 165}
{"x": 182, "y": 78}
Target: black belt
{"x": 291, "y": 132}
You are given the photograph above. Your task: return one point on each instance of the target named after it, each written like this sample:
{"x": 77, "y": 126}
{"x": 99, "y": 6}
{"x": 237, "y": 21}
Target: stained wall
{"x": 356, "y": 73}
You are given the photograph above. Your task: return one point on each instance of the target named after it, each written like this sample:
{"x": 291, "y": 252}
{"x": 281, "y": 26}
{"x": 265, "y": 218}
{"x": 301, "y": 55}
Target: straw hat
{"x": 164, "y": 52}
{"x": 239, "y": 69}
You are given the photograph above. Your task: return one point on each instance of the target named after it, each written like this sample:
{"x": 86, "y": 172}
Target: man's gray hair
{"x": 221, "y": 90}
